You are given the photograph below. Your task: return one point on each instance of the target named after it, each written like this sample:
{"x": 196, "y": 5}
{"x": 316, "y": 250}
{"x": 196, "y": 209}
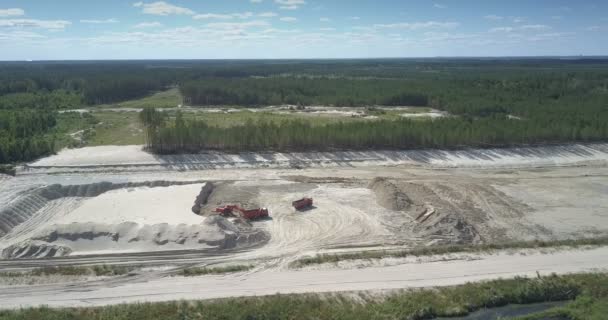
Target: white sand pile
{"x": 132, "y": 220}
{"x": 171, "y": 205}
{"x": 432, "y": 114}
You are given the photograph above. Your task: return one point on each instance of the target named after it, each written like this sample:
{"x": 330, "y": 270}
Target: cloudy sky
{"x": 212, "y": 29}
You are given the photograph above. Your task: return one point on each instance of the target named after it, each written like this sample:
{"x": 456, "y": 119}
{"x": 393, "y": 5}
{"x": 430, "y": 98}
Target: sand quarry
{"x": 121, "y": 205}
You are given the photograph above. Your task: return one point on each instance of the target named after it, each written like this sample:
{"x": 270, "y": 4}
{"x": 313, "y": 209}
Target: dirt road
{"x": 269, "y": 282}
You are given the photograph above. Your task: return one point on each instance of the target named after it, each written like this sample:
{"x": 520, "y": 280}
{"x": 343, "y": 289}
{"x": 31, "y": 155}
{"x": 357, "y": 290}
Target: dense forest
{"x": 183, "y": 135}
{"x": 493, "y": 102}
{"x": 22, "y": 134}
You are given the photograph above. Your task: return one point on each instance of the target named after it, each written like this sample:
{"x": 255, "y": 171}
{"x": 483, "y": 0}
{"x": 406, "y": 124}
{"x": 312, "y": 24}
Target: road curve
{"x": 443, "y": 273}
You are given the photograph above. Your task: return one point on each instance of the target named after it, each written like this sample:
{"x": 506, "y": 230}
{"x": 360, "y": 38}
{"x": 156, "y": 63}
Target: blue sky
{"x": 233, "y": 29}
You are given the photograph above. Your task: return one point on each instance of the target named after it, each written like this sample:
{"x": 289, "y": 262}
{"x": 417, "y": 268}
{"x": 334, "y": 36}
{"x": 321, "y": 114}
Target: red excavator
{"x": 253, "y": 214}
{"x": 302, "y": 204}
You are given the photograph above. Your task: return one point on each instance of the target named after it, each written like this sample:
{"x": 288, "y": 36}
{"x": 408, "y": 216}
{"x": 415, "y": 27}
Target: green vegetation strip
{"x": 98, "y": 270}
{"x": 589, "y": 293}
{"x": 438, "y": 250}
{"x": 191, "y": 272}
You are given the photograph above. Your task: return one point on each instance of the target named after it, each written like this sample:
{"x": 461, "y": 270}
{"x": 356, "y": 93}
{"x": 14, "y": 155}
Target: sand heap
{"x": 389, "y": 195}
{"x": 82, "y": 238}
{"x": 114, "y": 218}
{"x": 202, "y": 198}
{"x": 429, "y": 215}
{"x": 28, "y": 205}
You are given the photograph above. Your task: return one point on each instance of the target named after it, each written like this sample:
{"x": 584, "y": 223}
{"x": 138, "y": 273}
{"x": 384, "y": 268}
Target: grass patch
{"x": 164, "y": 99}
{"x": 117, "y": 128}
{"x": 192, "y": 272}
{"x": 69, "y": 123}
{"x": 438, "y": 250}
{"x": 415, "y": 304}
{"x": 97, "y": 270}
{"x": 100, "y": 127}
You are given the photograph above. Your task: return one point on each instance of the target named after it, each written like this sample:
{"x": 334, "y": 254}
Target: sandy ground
{"x": 287, "y": 109}
{"x": 443, "y": 273}
{"x": 101, "y": 205}
{"x": 169, "y": 205}
{"x": 130, "y": 158}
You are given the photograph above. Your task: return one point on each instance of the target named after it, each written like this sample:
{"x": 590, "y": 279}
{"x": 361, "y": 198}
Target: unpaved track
{"x": 270, "y": 282}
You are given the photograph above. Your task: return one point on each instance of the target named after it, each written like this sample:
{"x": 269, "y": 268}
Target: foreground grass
{"x": 438, "y": 250}
{"x": 589, "y": 292}
{"x": 191, "y": 272}
{"x": 98, "y": 270}
{"x": 587, "y": 307}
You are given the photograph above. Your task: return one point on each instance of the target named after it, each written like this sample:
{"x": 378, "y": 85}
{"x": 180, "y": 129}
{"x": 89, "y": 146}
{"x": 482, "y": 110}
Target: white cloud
{"x": 33, "y": 23}
{"x": 354, "y": 18}
{"x": 327, "y": 29}
{"x": 594, "y": 28}
{"x": 502, "y": 29}
{"x": 161, "y": 8}
{"x": 20, "y": 36}
{"x": 222, "y": 16}
{"x": 518, "y": 19}
{"x": 99, "y": 21}
{"x": 290, "y": 4}
{"x": 267, "y": 15}
{"x": 325, "y": 19}
{"x": 237, "y": 25}
{"x": 550, "y": 36}
{"x": 288, "y": 19}
{"x": 212, "y": 16}
{"x": 255, "y": 1}
{"x": 529, "y": 27}
{"x": 418, "y": 25}
{"x": 11, "y": 12}
{"x": 439, "y": 6}
{"x": 148, "y": 25}
{"x": 493, "y": 17}
{"x": 535, "y": 27}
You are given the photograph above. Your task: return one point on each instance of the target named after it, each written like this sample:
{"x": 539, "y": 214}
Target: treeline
{"x": 104, "y": 91}
{"x": 55, "y": 86}
{"x": 180, "y": 135}
{"x": 23, "y": 135}
{"x": 479, "y": 87}
{"x": 302, "y": 91}
{"x": 478, "y": 94}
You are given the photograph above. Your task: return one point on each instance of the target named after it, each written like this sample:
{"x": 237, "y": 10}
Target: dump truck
{"x": 251, "y": 214}
{"x": 302, "y": 204}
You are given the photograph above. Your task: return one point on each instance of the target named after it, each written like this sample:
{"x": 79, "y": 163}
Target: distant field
{"x": 99, "y": 128}
{"x": 113, "y": 127}
{"x": 117, "y": 129}
{"x": 163, "y": 99}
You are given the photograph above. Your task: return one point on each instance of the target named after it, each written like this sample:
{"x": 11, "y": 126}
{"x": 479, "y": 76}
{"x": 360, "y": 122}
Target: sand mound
{"x": 389, "y": 195}
{"x": 35, "y": 249}
{"x": 448, "y": 229}
{"x": 27, "y": 205}
{"x": 230, "y": 194}
{"x": 89, "y": 238}
{"x": 202, "y": 198}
